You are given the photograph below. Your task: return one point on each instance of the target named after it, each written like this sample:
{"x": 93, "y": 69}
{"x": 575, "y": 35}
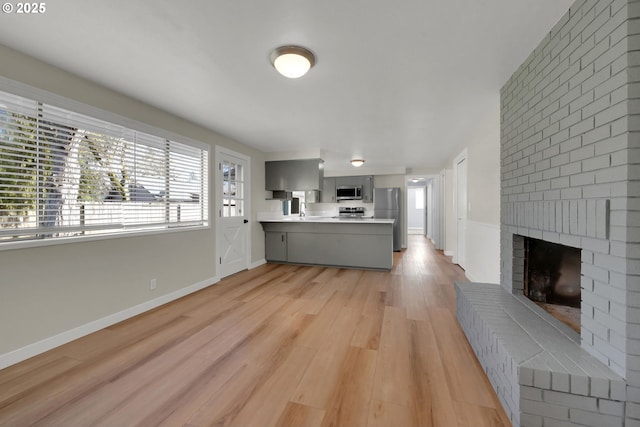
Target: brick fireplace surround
{"x": 570, "y": 174}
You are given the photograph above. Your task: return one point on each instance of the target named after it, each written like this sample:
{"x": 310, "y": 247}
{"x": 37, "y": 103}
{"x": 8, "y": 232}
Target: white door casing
{"x": 460, "y": 177}
{"x": 232, "y": 211}
{"x": 428, "y": 228}
{"x": 440, "y": 207}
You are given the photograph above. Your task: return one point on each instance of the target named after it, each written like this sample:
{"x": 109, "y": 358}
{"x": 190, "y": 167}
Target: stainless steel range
{"x": 353, "y": 212}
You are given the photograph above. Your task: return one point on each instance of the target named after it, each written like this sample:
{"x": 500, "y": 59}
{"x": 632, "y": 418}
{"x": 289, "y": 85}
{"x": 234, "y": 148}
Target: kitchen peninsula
{"x": 331, "y": 241}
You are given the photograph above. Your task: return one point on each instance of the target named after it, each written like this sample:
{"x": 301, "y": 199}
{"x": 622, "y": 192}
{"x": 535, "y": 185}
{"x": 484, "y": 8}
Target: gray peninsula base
{"x": 362, "y": 244}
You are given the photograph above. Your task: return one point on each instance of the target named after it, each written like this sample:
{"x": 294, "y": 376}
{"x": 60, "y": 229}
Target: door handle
{"x": 246, "y": 221}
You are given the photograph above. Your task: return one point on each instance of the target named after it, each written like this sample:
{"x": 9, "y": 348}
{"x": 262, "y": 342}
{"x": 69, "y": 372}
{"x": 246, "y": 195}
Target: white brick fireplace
{"x": 570, "y": 173}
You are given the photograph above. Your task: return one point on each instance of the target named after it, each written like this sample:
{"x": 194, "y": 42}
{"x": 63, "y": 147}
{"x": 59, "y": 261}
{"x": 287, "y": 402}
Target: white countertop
{"x": 332, "y": 220}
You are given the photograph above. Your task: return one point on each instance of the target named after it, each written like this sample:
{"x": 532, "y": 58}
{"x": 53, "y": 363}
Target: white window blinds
{"x": 64, "y": 174}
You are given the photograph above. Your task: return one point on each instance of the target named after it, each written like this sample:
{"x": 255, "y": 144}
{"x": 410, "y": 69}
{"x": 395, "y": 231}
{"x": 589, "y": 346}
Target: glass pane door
{"x": 232, "y": 189}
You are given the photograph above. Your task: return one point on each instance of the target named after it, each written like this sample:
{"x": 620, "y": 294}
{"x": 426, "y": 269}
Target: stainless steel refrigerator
{"x": 386, "y": 204}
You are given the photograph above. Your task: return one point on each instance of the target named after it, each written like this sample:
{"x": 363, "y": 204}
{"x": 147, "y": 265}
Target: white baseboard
{"x": 257, "y": 263}
{"x": 47, "y": 344}
{"x": 448, "y": 253}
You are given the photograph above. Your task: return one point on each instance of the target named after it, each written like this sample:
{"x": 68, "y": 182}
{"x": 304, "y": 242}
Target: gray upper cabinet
{"x": 367, "y": 189}
{"x": 294, "y": 175}
{"x": 347, "y": 180}
{"x": 328, "y": 193}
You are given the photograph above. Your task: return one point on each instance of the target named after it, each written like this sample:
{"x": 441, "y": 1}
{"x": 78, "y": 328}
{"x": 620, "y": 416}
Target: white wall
{"x": 53, "y": 290}
{"x": 483, "y": 193}
{"x": 483, "y": 224}
{"x": 449, "y": 213}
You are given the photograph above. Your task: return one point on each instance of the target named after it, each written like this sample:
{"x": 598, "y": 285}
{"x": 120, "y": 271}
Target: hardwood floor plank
{"x": 348, "y": 404}
{"x": 325, "y": 370}
{"x": 270, "y": 399}
{"x": 462, "y": 368}
{"x": 318, "y": 333}
{"x": 367, "y": 332}
{"x": 88, "y": 348}
{"x": 240, "y": 285}
{"x": 385, "y": 414}
{"x": 432, "y": 403}
{"x": 196, "y": 395}
{"x": 232, "y": 335}
{"x": 378, "y": 284}
{"x": 89, "y": 376}
{"x": 15, "y": 387}
{"x": 301, "y": 282}
{"x": 247, "y": 367}
{"x": 414, "y": 298}
{"x": 130, "y": 398}
{"x": 479, "y": 416}
{"x": 297, "y": 415}
{"x": 393, "y": 381}
{"x": 279, "y": 345}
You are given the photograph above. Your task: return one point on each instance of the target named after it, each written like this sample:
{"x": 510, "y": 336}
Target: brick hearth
{"x": 535, "y": 363}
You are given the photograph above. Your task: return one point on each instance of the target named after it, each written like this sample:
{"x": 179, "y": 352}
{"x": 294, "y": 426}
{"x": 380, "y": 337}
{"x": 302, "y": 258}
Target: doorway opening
{"x": 416, "y": 210}
{"x": 460, "y": 206}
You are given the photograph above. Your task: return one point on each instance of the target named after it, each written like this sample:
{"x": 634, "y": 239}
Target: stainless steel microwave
{"x": 349, "y": 192}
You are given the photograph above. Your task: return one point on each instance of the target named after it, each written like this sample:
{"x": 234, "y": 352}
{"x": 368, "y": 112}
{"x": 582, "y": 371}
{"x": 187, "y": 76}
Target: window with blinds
{"x": 64, "y": 174}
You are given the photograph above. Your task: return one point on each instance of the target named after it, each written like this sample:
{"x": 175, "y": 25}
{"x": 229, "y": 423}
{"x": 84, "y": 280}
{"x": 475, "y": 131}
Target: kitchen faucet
{"x": 302, "y": 211}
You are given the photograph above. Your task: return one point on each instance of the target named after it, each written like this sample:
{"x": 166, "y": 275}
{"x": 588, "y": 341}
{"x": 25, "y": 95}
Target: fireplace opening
{"x": 552, "y": 279}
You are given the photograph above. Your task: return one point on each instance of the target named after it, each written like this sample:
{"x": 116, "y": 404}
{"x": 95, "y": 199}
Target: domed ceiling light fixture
{"x": 357, "y": 162}
{"x": 292, "y": 61}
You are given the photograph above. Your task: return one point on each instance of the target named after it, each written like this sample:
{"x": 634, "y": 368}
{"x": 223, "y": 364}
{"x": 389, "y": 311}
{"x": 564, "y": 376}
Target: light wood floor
{"x": 279, "y": 345}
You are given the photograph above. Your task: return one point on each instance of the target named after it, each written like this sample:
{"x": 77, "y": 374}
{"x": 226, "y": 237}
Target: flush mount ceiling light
{"x": 292, "y": 61}
{"x": 357, "y": 162}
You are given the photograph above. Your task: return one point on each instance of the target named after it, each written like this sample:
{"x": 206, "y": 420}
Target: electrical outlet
{"x": 153, "y": 284}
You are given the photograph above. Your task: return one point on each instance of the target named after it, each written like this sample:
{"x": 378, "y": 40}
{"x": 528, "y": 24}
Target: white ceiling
{"x": 402, "y": 84}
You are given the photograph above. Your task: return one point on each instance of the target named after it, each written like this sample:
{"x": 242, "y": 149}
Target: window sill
{"x": 25, "y": 244}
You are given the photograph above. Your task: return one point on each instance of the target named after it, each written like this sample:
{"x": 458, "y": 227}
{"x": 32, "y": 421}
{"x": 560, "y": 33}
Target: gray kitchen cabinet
{"x": 367, "y": 189}
{"x": 328, "y": 193}
{"x": 294, "y": 175}
{"x": 343, "y": 248}
{"x": 341, "y": 243}
{"x": 348, "y": 180}
{"x": 275, "y": 246}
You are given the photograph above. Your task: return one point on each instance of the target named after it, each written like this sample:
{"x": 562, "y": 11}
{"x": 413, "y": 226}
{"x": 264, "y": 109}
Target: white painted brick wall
{"x": 557, "y": 121}
{"x": 570, "y": 165}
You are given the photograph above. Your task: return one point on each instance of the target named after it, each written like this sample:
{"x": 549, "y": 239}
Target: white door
{"x": 461, "y": 210}
{"x": 232, "y": 228}
{"x": 440, "y": 206}
{"x": 428, "y": 232}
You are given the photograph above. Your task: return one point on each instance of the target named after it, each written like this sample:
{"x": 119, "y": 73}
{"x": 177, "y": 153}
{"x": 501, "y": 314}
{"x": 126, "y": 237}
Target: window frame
{"x": 40, "y": 95}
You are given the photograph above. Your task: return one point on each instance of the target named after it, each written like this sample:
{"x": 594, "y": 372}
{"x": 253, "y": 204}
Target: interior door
{"x": 232, "y": 229}
{"x": 461, "y": 211}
